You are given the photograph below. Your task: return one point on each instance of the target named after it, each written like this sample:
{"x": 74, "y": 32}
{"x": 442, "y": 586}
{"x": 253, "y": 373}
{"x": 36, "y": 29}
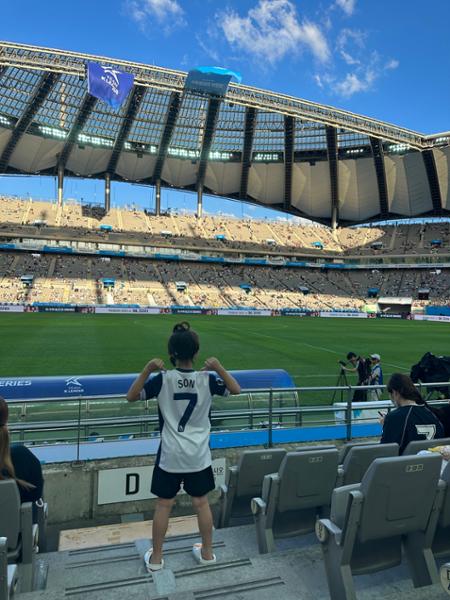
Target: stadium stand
{"x": 73, "y": 221}
{"x": 78, "y": 279}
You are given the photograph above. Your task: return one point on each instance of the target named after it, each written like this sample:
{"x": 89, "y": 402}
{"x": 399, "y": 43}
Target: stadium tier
{"x": 254, "y": 145}
{"x": 27, "y": 278}
{"x": 47, "y": 220}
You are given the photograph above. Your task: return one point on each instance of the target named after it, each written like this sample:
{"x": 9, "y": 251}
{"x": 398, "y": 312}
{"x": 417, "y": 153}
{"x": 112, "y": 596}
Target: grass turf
{"x": 308, "y": 348}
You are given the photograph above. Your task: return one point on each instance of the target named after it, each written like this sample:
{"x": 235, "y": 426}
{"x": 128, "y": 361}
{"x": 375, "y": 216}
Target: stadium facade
{"x": 274, "y": 150}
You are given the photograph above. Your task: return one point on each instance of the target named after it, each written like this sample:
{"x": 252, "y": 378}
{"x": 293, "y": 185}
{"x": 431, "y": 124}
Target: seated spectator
{"x": 19, "y": 463}
{"x": 412, "y": 419}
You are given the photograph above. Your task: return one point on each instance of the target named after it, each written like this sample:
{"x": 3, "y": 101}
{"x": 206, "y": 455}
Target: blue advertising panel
{"x": 35, "y": 388}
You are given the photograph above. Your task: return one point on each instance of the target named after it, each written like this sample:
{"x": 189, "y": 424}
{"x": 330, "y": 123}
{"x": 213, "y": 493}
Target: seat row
{"x": 20, "y": 539}
{"x": 365, "y": 503}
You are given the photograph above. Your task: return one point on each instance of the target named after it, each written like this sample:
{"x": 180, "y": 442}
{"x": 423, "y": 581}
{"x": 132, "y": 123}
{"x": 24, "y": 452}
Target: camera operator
{"x": 359, "y": 366}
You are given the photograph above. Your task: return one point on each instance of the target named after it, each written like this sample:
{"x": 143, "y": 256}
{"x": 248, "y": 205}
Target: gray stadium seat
{"x": 441, "y": 542}
{"x": 8, "y": 573}
{"x": 345, "y": 449}
{"x": 306, "y": 448}
{"x": 16, "y": 525}
{"x": 293, "y": 498}
{"x": 418, "y": 445}
{"x": 358, "y": 460}
{"x": 399, "y": 499}
{"x": 243, "y": 482}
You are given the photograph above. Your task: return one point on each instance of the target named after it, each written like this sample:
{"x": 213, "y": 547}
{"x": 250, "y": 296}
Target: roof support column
{"x": 332, "y": 150}
{"x": 289, "y": 125}
{"x": 107, "y": 192}
{"x": 60, "y": 184}
{"x": 380, "y": 170}
{"x": 199, "y": 201}
{"x": 433, "y": 181}
{"x": 249, "y": 131}
{"x": 158, "y": 197}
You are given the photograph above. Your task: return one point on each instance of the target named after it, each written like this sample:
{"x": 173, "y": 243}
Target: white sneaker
{"x": 197, "y": 552}
{"x": 152, "y": 566}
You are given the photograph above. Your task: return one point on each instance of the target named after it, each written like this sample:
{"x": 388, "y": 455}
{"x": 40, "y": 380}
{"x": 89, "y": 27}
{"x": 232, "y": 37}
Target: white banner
{"x": 344, "y": 315}
{"x": 431, "y": 318}
{"x": 244, "y": 313}
{"x": 133, "y": 483}
{"x": 11, "y": 308}
{"x": 151, "y": 310}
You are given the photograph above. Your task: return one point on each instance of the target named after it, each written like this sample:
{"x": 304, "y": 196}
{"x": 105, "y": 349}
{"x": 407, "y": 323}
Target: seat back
{"x": 441, "y": 541}
{"x": 398, "y": 495}
{"x": 307, "y": 479}
{"x": 253, "y": 466}
{"x": 418, "y": 445}
{"x": 444, "y": 520}
{"x": 359, "y": 459}
{"x": 10, "y": 512}
{"x": 345, "y": 448}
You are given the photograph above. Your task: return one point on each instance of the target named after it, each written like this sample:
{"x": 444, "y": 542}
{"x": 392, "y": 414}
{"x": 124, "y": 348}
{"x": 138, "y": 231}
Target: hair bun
{"x": 180, "y": 327}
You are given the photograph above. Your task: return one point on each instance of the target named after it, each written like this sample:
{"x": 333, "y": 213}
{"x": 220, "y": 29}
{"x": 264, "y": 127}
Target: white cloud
{"x": 362, "y": 67}
{"x": 392, "y": 64}
{"x": 348, "y": 6}
{"x": 271, "y": 30}
{"x": 349, "y": 44}
{"x": 167, "y": 13}
{"x": 354, "y": 83}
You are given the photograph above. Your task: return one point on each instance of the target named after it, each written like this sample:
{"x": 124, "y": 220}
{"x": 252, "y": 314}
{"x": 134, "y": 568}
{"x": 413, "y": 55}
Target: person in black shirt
{"x": 19, "y": 463}
{"x": 359, "y": 366}
{"x": 412, "y": 419}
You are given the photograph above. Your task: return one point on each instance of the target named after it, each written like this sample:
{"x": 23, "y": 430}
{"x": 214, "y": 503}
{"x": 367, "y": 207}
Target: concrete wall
{"x": 71, "y": 489}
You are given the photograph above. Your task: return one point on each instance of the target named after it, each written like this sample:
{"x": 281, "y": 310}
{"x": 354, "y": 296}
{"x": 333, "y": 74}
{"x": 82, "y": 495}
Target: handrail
{"x": 265, "y": 415}
{"x": 259, "y": 391}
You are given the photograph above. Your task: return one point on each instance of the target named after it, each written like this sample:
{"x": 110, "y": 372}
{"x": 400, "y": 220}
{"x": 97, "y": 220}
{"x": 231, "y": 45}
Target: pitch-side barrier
{"x": 85, "y": 435}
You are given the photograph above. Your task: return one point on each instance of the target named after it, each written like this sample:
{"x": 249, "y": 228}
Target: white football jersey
{"x": 184, "y": 405}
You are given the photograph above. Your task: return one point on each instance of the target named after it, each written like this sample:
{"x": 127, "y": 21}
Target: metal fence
{"x": 80, "y": 420}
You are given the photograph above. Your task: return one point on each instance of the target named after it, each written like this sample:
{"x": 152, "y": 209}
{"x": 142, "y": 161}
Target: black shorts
{"x": 167, "y": 485}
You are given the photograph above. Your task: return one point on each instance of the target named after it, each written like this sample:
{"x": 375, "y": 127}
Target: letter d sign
{"x": 132, "y": 484}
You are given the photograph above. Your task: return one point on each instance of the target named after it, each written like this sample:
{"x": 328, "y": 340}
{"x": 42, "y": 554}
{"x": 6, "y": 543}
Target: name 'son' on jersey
{"x": 185, "y": 383}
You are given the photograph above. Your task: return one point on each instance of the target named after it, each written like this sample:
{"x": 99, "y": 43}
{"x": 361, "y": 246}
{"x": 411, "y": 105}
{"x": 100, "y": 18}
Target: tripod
{"x": 341, "y": 381}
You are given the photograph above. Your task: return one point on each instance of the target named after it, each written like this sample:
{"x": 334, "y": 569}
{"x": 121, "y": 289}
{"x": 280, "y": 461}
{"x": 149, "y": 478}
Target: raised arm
{"x": 213, "y": 364}
{"x": 134, "y": 393}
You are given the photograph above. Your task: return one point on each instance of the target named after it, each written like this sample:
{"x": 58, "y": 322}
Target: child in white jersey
{"x": 184, "y": 404}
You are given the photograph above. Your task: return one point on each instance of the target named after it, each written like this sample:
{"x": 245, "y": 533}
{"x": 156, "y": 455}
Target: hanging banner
{"x": 109, "y": 84}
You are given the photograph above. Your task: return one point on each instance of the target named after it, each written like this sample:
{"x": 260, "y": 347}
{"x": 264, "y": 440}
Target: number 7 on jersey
{"x": 192, "y": 398}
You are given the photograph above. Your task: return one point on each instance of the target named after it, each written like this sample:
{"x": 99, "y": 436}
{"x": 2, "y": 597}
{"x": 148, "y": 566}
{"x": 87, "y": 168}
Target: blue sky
{"x": 389, "y": 59}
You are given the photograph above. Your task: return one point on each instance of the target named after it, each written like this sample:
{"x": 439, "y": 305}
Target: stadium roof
{"x": 255, "y": 145}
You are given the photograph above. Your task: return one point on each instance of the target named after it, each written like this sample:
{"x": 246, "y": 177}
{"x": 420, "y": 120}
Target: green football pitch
{"x": 308, "y": 348}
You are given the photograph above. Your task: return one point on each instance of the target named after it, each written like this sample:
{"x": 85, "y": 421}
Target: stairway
{"x": 295, "y": 572}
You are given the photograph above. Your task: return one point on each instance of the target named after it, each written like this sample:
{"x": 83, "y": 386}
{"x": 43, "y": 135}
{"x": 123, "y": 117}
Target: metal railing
{"x": 274, "y": 414}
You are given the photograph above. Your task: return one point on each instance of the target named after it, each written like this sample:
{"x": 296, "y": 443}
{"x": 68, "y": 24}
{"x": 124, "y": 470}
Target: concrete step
{"x": 295, "y": 572}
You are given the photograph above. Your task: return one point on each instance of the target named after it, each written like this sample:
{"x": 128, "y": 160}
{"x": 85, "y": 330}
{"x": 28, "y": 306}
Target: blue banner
{"x": 109, "y": 84}
{"x": 76, "y": 386}
{"x": 210, "y": 80}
